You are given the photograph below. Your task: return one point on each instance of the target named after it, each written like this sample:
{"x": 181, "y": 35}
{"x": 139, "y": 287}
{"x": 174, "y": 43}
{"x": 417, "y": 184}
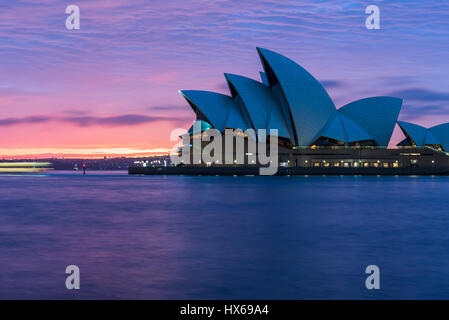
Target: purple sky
{"x": 113, "y": 83}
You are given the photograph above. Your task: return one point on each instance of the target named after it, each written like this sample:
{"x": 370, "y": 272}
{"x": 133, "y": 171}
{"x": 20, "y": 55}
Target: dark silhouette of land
{"x": 119, "y": 163}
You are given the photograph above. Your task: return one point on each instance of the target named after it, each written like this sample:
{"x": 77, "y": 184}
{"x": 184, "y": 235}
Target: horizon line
{"x": 84, "y": 153}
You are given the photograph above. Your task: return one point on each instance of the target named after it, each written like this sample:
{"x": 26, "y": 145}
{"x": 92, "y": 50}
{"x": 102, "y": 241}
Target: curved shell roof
{"x": 441, "y": 132}
{"x": 344, "y": 129}
{"x": 377, "y": 115}
{"x": 263, "y": 78}
{"x": 202, "y": 125}
{"x": 353, "y": 131}
{"x": 414, "y": 132}
{"x": 214, "y": 106}
{"x": 310, "y": 105}
{"x": 291, "y": 100}
{"x": 259, "y": 103}
{"x": 334, "y": 129}
{"x": 218, "y": 109}
{"x": 431, "y": 139}
{"x": 422, "y": 136}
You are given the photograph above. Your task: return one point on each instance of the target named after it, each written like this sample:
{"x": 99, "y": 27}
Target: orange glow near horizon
{"x": 96, "y": 153}
{"x": 56, "y": 140}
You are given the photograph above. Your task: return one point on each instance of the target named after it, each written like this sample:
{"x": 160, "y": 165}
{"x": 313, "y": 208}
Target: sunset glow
{"x": 111, "y": 88}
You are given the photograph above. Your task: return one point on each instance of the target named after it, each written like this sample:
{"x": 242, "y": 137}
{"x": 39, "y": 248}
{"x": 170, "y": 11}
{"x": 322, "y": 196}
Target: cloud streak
{"x": 120, "y": 120}
{"x": 25, "y": 120}
{"x": 332, "y": 83}
{"x": 89, "y": 121}
{"x": 420, "y": 94}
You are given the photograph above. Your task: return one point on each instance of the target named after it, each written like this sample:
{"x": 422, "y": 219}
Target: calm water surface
{"x": 181, "y": 237}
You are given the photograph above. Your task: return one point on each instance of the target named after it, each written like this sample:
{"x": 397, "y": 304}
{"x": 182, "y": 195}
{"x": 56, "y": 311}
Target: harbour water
{"x": 193, "y": 237}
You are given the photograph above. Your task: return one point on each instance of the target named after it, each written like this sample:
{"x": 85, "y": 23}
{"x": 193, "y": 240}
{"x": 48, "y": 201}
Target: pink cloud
{"x": 161, "y": 78}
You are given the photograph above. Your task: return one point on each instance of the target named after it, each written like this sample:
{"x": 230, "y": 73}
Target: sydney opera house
{"x": 313, "y": 135}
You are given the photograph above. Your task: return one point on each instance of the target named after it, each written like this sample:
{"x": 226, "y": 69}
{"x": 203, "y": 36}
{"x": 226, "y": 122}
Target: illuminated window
{"x": 385, "y": 165}
{"x": 366, "y": 164}
{"x": 326, "y": 164}
{"x": 346, "y": 164}
{"x": 316, "y": 164}
{"x": 376, "y": 164}
{"x": 336, "y": 164}
{"x": 396, "y": 164}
